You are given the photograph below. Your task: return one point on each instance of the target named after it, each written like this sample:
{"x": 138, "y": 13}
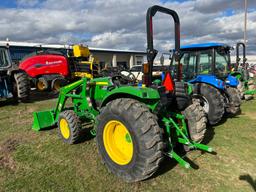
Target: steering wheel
{"x": 128, "y": 75}
{"x": 220, "y": 69}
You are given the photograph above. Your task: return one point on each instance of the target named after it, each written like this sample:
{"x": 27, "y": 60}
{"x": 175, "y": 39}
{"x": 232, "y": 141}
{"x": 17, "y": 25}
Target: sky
{"x": 121, "y": 24}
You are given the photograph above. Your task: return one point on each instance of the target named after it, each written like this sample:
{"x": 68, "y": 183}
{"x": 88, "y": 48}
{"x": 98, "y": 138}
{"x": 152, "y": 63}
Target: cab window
{"x": 205, "y": 62}
{"x": 188, "y": 61}
{"x": 4, "y": 58}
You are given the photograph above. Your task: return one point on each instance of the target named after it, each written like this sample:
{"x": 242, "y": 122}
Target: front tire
{"x": 241, "y": 89}
{"x": 129, "y": 139}
{"x": 234, "y": 100}
{"x": 69, "y": 127}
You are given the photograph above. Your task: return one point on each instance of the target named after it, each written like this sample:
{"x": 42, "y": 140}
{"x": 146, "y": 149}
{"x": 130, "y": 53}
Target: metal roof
{"x": 59, "y": 46}
{"x": 204, "y": 45}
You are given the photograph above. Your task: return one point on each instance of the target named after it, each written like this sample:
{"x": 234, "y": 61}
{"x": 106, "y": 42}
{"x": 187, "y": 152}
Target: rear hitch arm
{"x": 182, "y": 138}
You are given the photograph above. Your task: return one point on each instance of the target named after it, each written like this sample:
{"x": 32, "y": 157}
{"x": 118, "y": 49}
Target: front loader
{"x": 135, "y": 125}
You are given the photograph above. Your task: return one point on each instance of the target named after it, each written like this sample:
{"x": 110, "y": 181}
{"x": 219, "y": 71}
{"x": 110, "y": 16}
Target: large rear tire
{"x": 234, "y": 99}
{"x": 21, "y": 86}
{"x": 129, "y": 139}
{"x": 196, "y": 121}
{"x": 211, "y": 100}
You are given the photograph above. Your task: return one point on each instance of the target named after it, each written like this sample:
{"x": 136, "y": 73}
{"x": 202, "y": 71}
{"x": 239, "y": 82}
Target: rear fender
{"x": 148, "y": 96}
{"x": 209, "y": 79}
{"x": 232, "y": 81}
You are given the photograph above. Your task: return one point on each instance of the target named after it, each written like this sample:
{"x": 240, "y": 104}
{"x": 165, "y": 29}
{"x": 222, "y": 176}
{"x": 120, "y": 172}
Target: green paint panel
{"x": 143, "y": 93}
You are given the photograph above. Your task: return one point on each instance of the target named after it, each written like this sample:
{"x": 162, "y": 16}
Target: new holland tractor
{"x": 206, "y": 66}
{"x": 135, "y": 125}
{"x": 14, "y": 83}
{"x": 50, "y": 70}
{"x": 246, "y": 84}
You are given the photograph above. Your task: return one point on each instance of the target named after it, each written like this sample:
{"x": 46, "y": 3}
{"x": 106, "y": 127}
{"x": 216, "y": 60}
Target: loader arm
{"x": 65, "y": 93}
{"x": 46, "y": 119}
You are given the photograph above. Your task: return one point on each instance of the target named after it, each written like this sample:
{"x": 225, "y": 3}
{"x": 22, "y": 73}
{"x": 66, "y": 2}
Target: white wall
{"x": 110, "y": 58}
{"x": 250, "y": 59}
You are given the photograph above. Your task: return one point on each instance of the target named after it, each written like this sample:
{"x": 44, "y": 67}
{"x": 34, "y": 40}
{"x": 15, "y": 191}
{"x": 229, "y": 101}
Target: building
{"x": 116, "y": 58}
{"x": 110, "y": 57}
{"x": 250, "y": 58}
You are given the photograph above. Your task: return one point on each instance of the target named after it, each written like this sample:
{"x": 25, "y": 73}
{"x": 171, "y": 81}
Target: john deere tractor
{"x": 206, "y": 66}
{"x": 14, "y": 83}
{"x": 246, "y": 84}
{"x": 135, "y": 125}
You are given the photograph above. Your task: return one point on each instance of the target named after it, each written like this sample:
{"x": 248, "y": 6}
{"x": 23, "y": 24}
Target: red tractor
{"x": 49, "y": 70}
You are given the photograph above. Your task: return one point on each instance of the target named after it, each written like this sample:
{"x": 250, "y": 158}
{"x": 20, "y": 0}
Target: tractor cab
{"x": 205, "y": 59}
{"x": 13, "y": 82}
{"x": 208, "y": 61}
{"x": 5, "y": 82}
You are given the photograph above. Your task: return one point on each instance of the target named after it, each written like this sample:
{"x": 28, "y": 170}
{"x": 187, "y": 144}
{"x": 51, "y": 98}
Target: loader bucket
{"x": 43, "y": 120}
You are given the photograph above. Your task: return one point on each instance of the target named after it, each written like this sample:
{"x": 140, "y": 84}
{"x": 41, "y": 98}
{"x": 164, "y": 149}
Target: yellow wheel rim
{"x": 40, "y": 85}
{"x": 56, "y": 85}
{"x": 64, "y": 128}
{"x": 118, "y": 142}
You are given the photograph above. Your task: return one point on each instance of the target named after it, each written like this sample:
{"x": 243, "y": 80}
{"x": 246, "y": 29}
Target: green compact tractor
{"x": 135, "y": 125}
{"x": 246, "y": 84}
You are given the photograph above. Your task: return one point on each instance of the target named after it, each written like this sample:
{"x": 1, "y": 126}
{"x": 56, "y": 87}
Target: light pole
{"x": 245, "y": 21}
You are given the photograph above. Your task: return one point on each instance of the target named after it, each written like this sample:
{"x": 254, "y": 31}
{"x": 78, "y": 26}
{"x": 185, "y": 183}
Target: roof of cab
{"x": 204, "y": 45}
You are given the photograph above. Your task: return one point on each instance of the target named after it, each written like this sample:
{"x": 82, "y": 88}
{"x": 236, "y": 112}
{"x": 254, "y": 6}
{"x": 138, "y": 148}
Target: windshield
{"x": 222, "y": 63}
{"x": 195, "y": 62}
{"x": 4, "y": 58}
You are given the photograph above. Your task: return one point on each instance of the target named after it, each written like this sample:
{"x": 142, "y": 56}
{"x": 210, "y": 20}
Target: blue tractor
{"x": 207, "y": 67}
{"x": 13, "y": 82}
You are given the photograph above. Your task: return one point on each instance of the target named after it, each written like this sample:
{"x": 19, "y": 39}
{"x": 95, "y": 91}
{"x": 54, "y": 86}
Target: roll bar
{"x": 237, "y": 53}
{"x": 151, "y": 52}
